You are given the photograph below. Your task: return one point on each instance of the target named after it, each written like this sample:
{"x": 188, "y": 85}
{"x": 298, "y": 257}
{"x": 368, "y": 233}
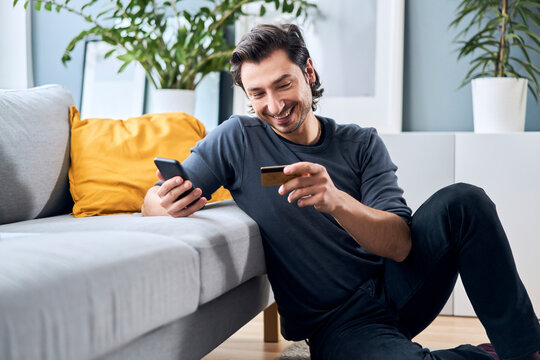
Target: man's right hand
{"x": 164, "y": 200}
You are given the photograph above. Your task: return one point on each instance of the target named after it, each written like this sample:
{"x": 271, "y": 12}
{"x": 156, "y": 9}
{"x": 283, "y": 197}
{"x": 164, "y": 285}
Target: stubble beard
{"x": 300, "y": 106}
{"x": 301, "y": 119}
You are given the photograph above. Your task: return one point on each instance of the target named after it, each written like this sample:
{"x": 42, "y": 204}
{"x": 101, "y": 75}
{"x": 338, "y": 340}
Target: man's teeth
{"x": 284, "y": 116}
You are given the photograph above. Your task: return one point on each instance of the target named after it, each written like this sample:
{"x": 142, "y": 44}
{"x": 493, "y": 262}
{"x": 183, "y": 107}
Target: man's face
{"x": 280, "y": 93}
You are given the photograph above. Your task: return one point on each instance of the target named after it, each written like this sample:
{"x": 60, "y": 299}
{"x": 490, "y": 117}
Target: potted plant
{"x": 503, "y": 32}
{"x": 176, "y": 47}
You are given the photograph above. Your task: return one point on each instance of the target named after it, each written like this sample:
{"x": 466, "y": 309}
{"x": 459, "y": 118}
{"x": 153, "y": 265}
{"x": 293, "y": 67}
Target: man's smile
{"x": 284, "y": 117}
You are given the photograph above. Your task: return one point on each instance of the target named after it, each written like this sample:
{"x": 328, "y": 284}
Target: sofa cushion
{"x": 112, "y": 160}
{"x": 227, "y": 240}
{"x": 78, "y": 295}
{"x": 34, "y": 148}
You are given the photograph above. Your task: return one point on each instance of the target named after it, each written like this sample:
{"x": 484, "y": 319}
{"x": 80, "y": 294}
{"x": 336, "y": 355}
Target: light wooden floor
{"x": 444, "y": 332}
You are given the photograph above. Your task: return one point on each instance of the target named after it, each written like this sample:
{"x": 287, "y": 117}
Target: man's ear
{"x": 309, "y": 71}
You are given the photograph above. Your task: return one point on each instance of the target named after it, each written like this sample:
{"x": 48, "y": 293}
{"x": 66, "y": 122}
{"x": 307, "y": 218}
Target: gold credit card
{"x": 273, "y": 175}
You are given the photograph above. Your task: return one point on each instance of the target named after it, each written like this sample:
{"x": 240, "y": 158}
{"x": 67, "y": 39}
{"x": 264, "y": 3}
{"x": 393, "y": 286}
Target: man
{"x": 352, "y": 272}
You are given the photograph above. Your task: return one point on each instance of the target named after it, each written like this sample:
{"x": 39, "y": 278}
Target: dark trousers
{"x": 457, "y": 230}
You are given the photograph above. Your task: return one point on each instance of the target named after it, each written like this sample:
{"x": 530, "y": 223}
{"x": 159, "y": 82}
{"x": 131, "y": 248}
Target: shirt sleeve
{"x": 217, "y": 159}
{"x": 379, "y": 186}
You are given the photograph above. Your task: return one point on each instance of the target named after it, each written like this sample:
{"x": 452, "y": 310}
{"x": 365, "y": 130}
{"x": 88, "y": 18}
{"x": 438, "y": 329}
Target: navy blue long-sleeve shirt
{"x": 313, "y": 264}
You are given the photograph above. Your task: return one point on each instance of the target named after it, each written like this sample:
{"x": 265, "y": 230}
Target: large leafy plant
{"x": 500, "y": 34}
{"x": 176, "y": 47}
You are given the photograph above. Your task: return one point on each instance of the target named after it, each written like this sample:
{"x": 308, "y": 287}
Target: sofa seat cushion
{"x": 78, "y": 295}
{"x": 227, "y": 240}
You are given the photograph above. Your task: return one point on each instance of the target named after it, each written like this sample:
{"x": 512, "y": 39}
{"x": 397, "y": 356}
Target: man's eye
{"x": 284, "y": 86}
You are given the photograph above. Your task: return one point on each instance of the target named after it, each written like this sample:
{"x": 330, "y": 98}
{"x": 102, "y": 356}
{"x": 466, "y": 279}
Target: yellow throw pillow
{"x": 112, "y": 160}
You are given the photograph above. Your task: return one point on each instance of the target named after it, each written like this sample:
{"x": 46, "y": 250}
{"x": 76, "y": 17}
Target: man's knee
{"x": 462, "y": 197}
{"x": 449, "y": 209}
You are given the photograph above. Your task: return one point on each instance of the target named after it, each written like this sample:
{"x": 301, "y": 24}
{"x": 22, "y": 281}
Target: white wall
{"x": 15, "y": 47}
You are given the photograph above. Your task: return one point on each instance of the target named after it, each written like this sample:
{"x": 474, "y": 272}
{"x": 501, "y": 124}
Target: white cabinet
{"x": 425, "y": 164}
{"x": 506, "y": 166}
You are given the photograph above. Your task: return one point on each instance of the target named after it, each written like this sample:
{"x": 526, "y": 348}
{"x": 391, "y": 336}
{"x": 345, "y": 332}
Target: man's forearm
{"x": 380, "y": 232}
{"x": 152, "y": 204}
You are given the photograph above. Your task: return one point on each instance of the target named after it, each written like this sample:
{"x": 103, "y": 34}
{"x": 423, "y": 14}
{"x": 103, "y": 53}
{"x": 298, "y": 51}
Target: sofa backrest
{"x": 34, "y": 153}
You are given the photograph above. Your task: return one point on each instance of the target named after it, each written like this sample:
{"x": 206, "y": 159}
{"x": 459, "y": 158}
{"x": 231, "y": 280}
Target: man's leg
{"x": 367, "y": 328}
{"x": 458, "y": 229}
{"x": 385, "y": 342}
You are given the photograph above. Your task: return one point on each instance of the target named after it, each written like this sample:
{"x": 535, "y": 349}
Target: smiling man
{"x": 283, "y": 102}
{"x": 353, "y": 273}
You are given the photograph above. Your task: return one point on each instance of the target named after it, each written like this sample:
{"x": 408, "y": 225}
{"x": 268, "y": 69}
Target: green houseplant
{"x": 500, "y": 36}
{"x": 177, "y": 48}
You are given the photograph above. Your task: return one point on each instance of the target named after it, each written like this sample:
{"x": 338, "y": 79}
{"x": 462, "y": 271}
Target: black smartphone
{"x": 170, "y": 168}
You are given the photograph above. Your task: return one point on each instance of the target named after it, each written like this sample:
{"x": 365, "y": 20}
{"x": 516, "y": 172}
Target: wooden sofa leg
{"x": 271, "y": 324}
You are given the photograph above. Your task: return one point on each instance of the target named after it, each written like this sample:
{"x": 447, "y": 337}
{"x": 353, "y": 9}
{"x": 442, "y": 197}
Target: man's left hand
{"x": 313, "y": 187}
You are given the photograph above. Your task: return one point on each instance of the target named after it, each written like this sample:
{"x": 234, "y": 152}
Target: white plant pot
{"x": 499, "y": 104}
{"x": 170, "y": 100}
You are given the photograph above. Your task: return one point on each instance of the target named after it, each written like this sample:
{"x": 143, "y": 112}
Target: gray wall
{"x": 51, "y": 32}
{"x": 432, "y": 75}
{"x": 432, "y": 100}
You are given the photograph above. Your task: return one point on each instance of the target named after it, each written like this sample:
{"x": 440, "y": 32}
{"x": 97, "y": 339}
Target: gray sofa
{"x": 117, "y": 286}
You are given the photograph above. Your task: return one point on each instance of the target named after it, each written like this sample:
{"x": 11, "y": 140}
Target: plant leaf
{"x": 123, "y": 67}
{"x": 109, "y": 53}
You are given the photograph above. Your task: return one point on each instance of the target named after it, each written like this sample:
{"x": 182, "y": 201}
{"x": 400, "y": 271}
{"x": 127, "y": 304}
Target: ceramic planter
{"x": 499, "y": 104}
{"x": 170, "y": 100}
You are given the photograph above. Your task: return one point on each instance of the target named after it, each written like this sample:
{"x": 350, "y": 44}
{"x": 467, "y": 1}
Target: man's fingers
{"x": 302, "y": 193}
{"x": 313, "y": 188}
{"x": 298, "y": 183}
{"x": 303, "y": 167}
{"x": 172, "y": 184}
{"x": 179, "y": 211}
{"x": 168, "y": 185}
{"x": 172, "y": 198}
{"x": 308, "y": 201}
{"x": 174, "y": 194}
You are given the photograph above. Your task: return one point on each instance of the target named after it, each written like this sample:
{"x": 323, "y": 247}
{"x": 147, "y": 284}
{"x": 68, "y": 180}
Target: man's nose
{"x": 275, "y": 105}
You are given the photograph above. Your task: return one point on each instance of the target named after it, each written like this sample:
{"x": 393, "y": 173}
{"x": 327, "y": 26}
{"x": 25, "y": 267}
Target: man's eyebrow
{"x": 278, "y": 80}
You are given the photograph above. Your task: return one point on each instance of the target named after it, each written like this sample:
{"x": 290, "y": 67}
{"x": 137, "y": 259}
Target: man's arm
{"x": 163, "y": 200}
{"x": 379, "y": 232}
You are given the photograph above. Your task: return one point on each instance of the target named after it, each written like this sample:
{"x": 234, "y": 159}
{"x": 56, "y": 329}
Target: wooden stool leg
{"x": 271, "y": 324}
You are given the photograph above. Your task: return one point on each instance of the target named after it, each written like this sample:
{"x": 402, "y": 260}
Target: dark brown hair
{"x": 262, "y": 41}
